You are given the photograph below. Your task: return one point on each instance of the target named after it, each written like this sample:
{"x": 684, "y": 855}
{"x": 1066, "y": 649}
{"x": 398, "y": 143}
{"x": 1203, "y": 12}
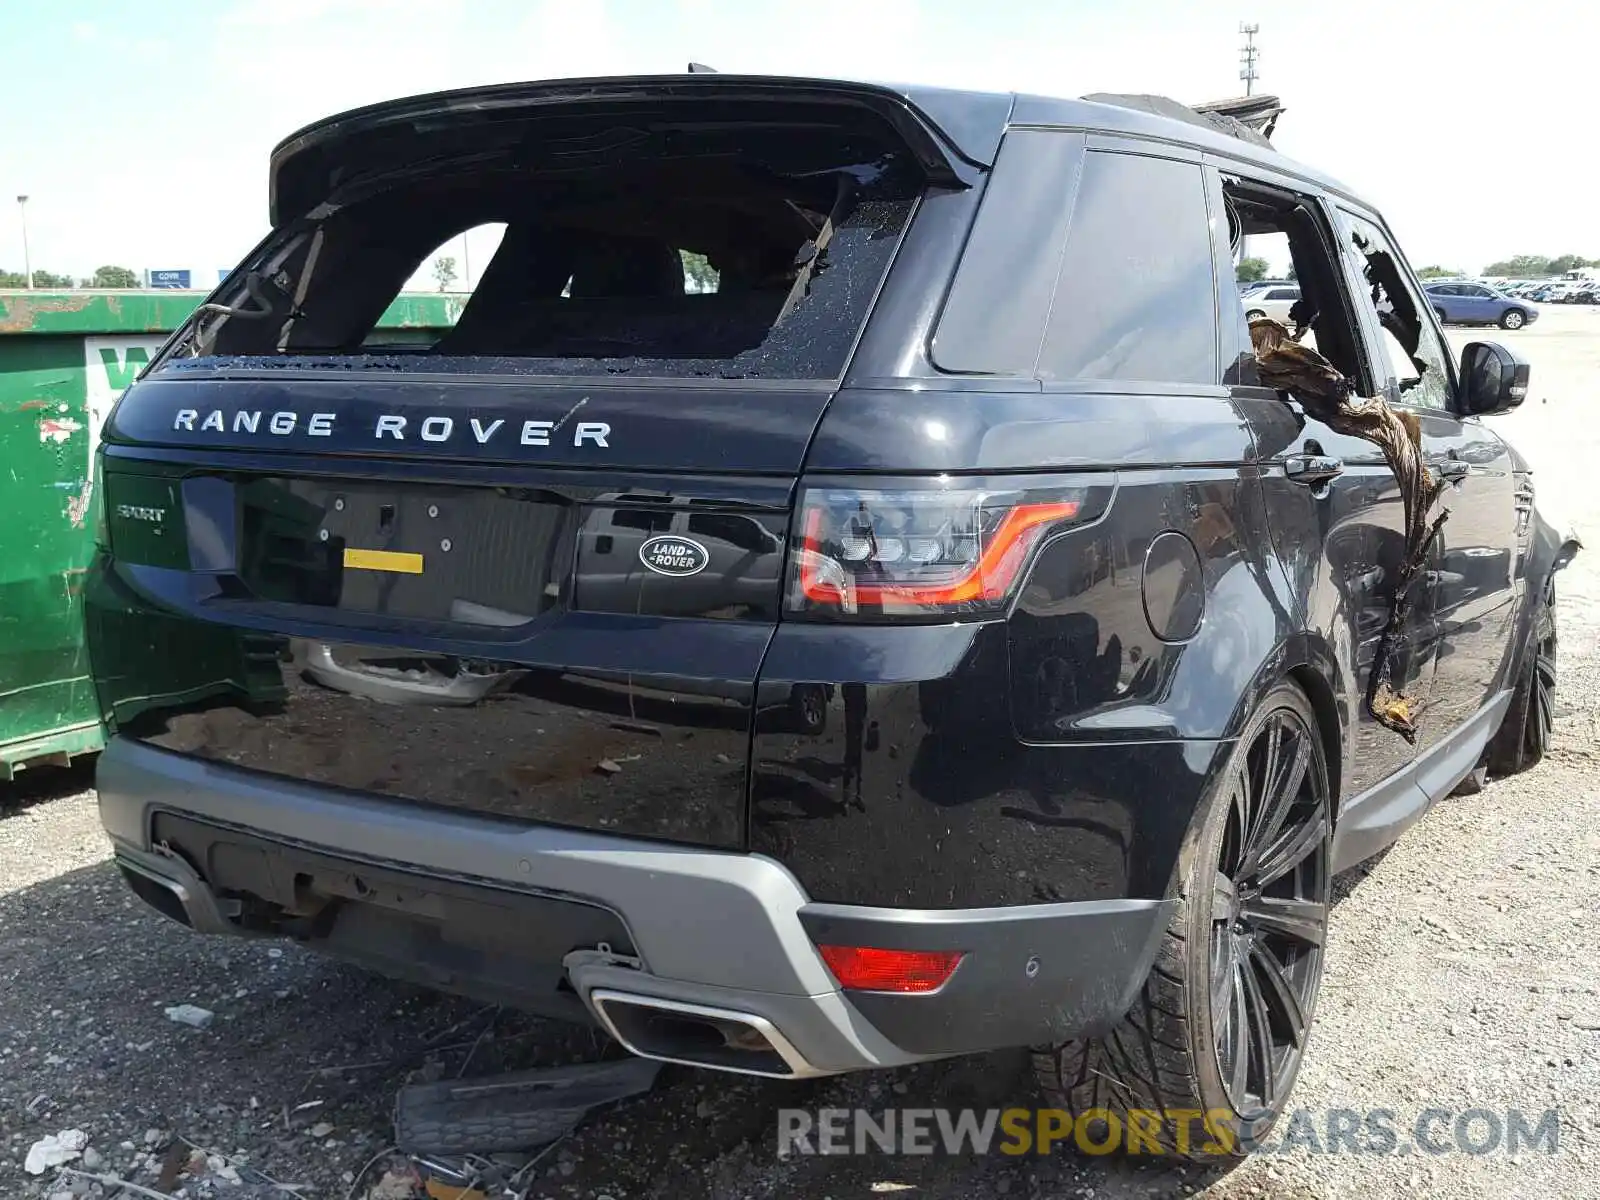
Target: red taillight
{"x": 867, "y": 969}
{"x": 918, "y": 550}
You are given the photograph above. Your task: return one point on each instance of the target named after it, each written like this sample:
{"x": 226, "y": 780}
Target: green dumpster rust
{"x": 65, "y": 357}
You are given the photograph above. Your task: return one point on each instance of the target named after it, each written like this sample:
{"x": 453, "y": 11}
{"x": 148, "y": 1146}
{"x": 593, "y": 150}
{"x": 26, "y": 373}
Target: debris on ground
{"x": 445, "y": 1191}
{"x": 395, "y": 1185}
{"x": 190, "y": 1014}
{"x": 54, "y": 1150}
{"x": 516, "y": 1111}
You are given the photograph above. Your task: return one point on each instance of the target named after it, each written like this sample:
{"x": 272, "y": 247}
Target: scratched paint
{"x": 58, "y": 429}
{"x": 78, "y": 506}
{"x": 46, "y": 701}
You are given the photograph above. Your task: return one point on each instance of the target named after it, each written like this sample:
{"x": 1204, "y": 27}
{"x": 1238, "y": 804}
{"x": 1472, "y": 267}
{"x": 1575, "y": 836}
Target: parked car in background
{"x": 1566, "y": 291}
{"x": 1255, "y": 285}
{"x": 1274, "y": 302}
{"x": 1475, "y": 304}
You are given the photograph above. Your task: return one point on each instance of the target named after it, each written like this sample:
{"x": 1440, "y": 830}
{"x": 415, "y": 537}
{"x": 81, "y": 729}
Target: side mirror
{"x": 1493, "y": 380}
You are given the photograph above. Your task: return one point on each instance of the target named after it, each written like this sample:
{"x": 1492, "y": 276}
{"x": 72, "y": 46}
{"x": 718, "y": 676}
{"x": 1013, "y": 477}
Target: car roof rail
{"x": 1249, "y": 118}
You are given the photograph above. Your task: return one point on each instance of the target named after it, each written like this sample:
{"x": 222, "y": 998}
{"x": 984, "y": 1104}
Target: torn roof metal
{"x": 1248, "y": 118}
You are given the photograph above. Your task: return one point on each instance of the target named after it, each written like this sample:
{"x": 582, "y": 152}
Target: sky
{"x": 141, "y": 131}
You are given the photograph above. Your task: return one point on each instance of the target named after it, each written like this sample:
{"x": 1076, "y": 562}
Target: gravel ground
{"x": 1460, "y": 976}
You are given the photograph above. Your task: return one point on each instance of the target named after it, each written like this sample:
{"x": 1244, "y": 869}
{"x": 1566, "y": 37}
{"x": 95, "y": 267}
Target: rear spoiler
{"x": 943, "y": 129}
{"x": 1248, "y": 118}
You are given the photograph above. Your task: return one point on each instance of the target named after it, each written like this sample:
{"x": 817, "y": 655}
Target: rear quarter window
{"x": 1085, "y": 265}
{"x": 1136, "y": 297}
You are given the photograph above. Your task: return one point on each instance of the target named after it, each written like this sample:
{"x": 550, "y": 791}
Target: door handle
{"x": 1312, "y": 470}
{"x": 1453, "y": 470}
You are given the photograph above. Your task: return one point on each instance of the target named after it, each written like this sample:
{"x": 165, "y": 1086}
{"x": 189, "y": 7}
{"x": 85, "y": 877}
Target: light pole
{"x": 27, "y": 265}
{"x": 1247, "y": 57}
{"x": 1247, "y": 72}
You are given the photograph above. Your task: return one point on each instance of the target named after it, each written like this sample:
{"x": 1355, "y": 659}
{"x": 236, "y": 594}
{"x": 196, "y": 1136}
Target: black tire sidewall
{"x": 1198, "y": 888}
{"x": 1512, "y": 749}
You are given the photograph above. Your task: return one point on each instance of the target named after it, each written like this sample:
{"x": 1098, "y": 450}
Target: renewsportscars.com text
{"x": 1020, "y": 1131}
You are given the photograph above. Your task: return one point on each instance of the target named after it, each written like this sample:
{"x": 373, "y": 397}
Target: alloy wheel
{"x": 1542, "y": 720}
{"x": 1269, "y": 915}
{"x": 1544, "y": 695}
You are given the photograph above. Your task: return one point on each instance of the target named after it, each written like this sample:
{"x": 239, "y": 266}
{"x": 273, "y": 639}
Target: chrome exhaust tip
{"x": 171, "y": 886}
{"x": 699, "y": 1035}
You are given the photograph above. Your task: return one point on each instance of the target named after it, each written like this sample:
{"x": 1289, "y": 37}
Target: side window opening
{"x": 448, "y": 271}
{"x": 737, "y": 254}
{"x": 699, "y": 276}
{"x": 457, "y": 262}
{"x": 1418, "y": 359}
{"x": 1287, "y": 230}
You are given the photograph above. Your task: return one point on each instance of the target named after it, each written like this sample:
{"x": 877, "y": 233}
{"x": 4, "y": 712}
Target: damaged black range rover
{"x": 840, "y": 594}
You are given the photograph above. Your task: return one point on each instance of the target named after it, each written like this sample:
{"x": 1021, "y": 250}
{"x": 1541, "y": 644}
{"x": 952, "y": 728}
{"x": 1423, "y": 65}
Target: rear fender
{"x": 1124, "y": 636}
{"x": 1311, "y": 662}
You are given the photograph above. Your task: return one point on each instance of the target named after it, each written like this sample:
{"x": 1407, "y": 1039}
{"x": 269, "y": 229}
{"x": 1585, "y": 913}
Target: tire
{"x": 1255, "y": 314}
{"x": 1513, "y": 318}
{"x": 1238, "y": 969}
{"x": 1523, "y": 738}
{"x": 1439, "y": 312}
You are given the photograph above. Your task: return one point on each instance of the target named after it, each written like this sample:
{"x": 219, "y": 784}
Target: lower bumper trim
{"x": 1032, "y": 974}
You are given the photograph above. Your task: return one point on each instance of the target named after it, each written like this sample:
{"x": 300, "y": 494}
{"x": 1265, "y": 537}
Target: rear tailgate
{"x": 528, "y": 567}
{"x": 479, "y": 634}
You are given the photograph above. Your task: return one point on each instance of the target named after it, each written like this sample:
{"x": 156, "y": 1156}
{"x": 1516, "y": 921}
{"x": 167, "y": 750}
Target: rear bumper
{"x": 546, "y": 918}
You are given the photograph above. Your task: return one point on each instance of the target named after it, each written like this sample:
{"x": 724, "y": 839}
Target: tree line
{"x": 103, "y": 277}
{"x": 1522, "y": 266}
{"x": 1534, "y": 266}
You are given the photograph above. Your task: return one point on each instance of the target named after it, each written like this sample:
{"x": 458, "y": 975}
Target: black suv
{"x": 838, "y": 596}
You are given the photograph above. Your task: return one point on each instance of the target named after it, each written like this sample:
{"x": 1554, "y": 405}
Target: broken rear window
{"x": 721, "y": 246}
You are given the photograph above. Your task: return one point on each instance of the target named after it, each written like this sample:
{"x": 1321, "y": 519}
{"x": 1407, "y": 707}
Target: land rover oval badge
{"x": 668, "y": 555}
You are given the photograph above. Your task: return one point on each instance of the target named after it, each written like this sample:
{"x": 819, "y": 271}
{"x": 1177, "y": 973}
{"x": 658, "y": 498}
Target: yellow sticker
{"x": 382, "y": 560}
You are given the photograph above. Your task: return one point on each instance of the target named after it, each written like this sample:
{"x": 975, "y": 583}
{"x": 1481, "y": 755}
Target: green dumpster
{"x": 65, "y": 357}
